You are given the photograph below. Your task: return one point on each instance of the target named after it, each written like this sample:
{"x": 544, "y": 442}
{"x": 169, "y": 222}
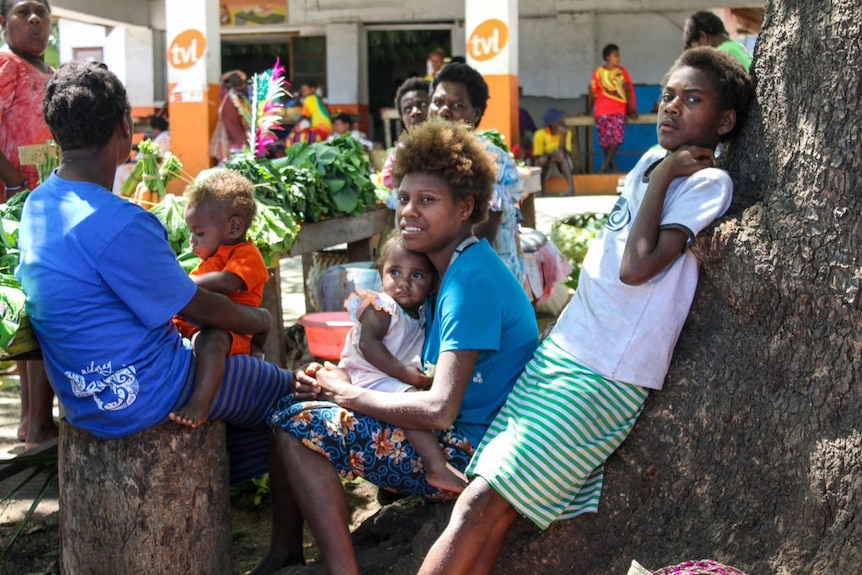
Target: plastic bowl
{"x": 325, "y": 333}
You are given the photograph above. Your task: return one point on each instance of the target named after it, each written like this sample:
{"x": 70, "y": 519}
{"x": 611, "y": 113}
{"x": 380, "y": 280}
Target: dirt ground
{"x": 37, "y": 550}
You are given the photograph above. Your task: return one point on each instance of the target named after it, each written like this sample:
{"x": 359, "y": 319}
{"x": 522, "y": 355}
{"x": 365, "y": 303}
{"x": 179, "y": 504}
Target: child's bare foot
{"x": 192, "y": 415}
{"x": 446, "y": 478}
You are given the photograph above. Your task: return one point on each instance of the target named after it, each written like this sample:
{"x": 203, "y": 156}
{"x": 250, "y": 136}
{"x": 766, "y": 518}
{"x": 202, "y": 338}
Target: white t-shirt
{"x": 628, "y": 333}
{"x": 404, "y": 340}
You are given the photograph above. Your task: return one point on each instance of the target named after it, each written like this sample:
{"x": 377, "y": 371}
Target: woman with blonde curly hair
{"x": 476, "y": 344}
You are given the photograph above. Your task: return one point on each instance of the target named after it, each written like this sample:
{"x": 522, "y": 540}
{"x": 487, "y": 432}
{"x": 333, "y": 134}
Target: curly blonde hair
{"x": 451, "y": 151}
{"x": 232, "y": 192}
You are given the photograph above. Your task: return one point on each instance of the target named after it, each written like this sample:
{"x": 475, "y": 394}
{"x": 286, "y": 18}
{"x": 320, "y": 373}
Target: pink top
{"x": 22, "y": 87}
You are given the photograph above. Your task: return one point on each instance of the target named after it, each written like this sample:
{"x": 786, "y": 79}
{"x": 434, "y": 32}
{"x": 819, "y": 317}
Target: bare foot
{"x": 22, "y": 431}
{"x": 446, "y": 478}
{"x": 192, "y": 415}
{"x": 36, "y": 436}
{"x": 274, "y": 561}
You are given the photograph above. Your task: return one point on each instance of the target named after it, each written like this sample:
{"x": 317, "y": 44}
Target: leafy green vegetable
{"x": 273, "y": 231}
{"x": 171, "y": 212}
{"x": 573, "y": 236}
{"x": 495, "y": 137}
{"x": 11, "y": 307}
{"x": 10, "y": 216}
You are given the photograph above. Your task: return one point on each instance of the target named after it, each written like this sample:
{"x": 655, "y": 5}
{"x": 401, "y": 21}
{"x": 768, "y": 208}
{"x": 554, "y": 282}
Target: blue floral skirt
{"x": 361, "y": 446}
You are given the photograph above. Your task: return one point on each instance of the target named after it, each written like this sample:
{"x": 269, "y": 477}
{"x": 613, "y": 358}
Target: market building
{"x": 173, "y": 51}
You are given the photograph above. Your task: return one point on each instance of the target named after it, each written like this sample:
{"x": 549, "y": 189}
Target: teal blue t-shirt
{"x": 481, "y": 306}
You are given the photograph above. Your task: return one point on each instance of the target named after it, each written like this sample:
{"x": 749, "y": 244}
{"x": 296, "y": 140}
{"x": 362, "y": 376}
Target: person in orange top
{"x": 219, "y": 211}
{"x": 614, "y": 97}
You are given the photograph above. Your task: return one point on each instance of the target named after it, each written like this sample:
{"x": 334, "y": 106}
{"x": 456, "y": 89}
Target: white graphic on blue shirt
{"x": 619, "y": 216}
{"x": 478, "y": 378}
{"x": 115, "y": 390}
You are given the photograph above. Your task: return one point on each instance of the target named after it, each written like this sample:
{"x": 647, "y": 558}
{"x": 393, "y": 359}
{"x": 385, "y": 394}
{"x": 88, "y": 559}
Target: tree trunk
{"x": 752, "y": 453}
{"x": 154, "y": 502}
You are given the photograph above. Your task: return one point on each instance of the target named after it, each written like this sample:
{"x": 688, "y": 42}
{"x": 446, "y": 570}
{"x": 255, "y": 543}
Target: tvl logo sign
{"x": 186, "y": 49}
{"x": 488, "y": 40}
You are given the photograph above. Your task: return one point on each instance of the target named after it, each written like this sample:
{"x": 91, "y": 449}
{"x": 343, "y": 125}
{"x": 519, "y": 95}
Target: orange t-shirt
{"x": 246, "y": 261}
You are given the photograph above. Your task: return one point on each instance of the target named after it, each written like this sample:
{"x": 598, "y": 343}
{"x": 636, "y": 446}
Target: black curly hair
{"x": 702, "y": 23}
{"x": 416, "y": 84}
{"x": 477, "y": 87}
{"x": 84, "y": 102}
{"x": 449, "y": 150}
{"x": 728, "y": 77}
{"x": 608, "y": 50}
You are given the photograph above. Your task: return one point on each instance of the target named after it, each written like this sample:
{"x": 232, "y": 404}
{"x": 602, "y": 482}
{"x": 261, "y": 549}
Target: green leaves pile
{"x": 495, "y": 137}
{"x": 573, "y": 236}
{"x": 312, "y": 182}
{"x": 10, "y": 216}
{"x": 12, "y": 337}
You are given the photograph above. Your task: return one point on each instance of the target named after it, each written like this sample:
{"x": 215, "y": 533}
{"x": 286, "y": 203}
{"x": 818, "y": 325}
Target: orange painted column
{"x": 194, "y": 66}
{"x": 492, "y": 48}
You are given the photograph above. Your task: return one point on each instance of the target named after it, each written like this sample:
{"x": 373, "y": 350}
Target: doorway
{"x": 394, "y": 56}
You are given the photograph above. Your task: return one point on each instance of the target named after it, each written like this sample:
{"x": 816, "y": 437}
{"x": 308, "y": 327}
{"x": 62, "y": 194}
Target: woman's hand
{"x": 305, "y": 383}
{"x": 334, "y": 384}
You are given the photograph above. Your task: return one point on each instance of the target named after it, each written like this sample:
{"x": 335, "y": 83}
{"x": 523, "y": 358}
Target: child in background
{"x": 220, "y": 208}
{"x": 343, "y": 124}
{"x": 581, "y": 393}
{"x": 614, "y": 99}
{"x": 554, "y": 144}
{"x": 383, "y": 351}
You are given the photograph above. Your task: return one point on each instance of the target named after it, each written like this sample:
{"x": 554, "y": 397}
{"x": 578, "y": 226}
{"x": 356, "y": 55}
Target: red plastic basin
{"x": 325, "y": 333}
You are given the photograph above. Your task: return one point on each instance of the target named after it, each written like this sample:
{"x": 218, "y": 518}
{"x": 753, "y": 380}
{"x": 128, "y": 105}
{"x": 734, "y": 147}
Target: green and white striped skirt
{"x": 545, "y": 451}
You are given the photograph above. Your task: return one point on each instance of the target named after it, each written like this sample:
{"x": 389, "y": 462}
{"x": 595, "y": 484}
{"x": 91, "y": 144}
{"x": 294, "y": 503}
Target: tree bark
{"x": 752, "y": 453}
{"x": 154, "y": 502}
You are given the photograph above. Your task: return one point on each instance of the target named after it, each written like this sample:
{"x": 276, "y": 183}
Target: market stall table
{"x": 357, "y": 232}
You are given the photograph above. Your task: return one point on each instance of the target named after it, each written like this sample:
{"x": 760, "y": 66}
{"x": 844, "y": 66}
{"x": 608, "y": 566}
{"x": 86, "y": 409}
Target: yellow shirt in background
{"x": 546, "y": 142}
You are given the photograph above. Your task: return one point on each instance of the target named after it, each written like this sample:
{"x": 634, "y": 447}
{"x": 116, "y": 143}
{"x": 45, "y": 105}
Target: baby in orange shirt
{"x": 219, "y": 211}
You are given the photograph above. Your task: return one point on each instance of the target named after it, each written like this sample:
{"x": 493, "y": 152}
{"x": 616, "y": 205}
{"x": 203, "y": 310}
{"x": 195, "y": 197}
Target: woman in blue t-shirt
{"x": 481, "y": 332}
{"x": 103, "y": 285}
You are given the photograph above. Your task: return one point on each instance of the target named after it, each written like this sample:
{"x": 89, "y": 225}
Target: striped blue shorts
{"x": 545, "y": 451}
{"x": 249, "y": 389}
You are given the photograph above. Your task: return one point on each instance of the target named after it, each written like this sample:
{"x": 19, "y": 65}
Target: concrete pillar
{"x": 492, "y": 48}
{"x": 194, "y": 70}
{"x": 347, "y": 71}
{"x": 129, "y": 54}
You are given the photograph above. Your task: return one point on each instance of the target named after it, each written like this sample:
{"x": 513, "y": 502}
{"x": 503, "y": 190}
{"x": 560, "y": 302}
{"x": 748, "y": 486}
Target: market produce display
{"x": 16, "y": 336}
{"x": 310, "y": 183}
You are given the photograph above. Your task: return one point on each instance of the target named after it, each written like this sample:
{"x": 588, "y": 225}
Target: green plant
{"x": 573, "y": 236}
{"x": 262, "y": 488}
